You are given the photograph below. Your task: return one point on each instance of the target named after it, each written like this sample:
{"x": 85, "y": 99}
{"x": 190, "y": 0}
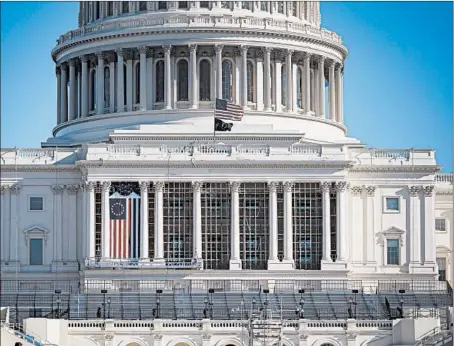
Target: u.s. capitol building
{"x": 138, "y": 224}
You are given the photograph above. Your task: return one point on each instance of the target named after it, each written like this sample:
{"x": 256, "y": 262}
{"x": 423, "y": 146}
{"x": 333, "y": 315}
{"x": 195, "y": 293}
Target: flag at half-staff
{"x": 124, "y": 226}
{"x": 224, "y": 113}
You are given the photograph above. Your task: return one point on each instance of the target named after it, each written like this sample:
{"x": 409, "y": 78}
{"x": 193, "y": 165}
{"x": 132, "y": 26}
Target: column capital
{"x": 341, "y": 186}
{"x": 84, "y": 58}
{"x": 15, "y": 189}
{"x": 429, "y": 190}
{"x": 120, "y": 52}
{"x": 110, "y": 57}
{"x": 143, "y": 50}
{"x": 218, "y": 48}
{"x": 144, "y": 185}
{"x": 321, "y": 59}
{"x": 58, "y": 189}
{"x": 193, "y": 48}
{"x": 267, "y": 50}
{"x": 325, "y": 186}
{"x": 288, "y": 186}
{"x": 158, "y": 186}
{"x": 106, "y": 186}
{"x": 167, "y": 49}
{"x": 57, "y": 70}
{"x": 290, "y": 52}
{"x": 63, "y": 66}
{"x": 4, "y": 188}
{"x": 72, "y": 62}
{"x": 235, "y": 186}
{"x": 197, "y": 185}
{"x": 272, "y": 186}
{"x": 100, "y": 55}
{"x": 72, "y": 189}
{"x": 331, "y": 64}
{"x": 307, "y": 56}
{"x": 370, "y": 190}
{"x": 244, "y": 49}
{"x": 356, "y": 190}
{"x": 414, "y": 190}
{"x": 89, "y": 185}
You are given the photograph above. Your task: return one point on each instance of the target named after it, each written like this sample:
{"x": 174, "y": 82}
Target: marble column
{"x": 72, "y": 90}
{"x": 71, "y": 244}
{"x": 90, "y": 218}
{"x": 307, "y": 83}
{"x": 158, "y": 222}
{"x": 429, "y": 226}
{"x": 144, "y": 231}
{"x": 415, "y": 226}
{"x": 197, "y": 219}
{"x": 150, "y": 79}
{"x": 356, "y": 235}
{"x": 120, "y": 82}
{"x": 332, "y": 92}
{"x": 338, "y": 93}
{"x": 288, "y": 221}
{"x": 5, "y": 221}
{"x": 58, "y": 223}
{"x": 267, "y": 87}
{"x": 167, "y": 77}
{"x": 278, "y": 81}
{"x": 100, "y": 84}
{"x": 58, "y": 74}
{"x": 64, "y": 93}
{"x": 321, "y": 83}
{"x": 325, "y": 187}
{"x": 218, "y": 48}
{"x": 143, "y": 78}
{"x": 111, "y": 62}
{"x": 84, "y": 86}
{"x": 14, "y": 222}
{"x": 235, "y": 260}
{"x": 341, "y": 212}
{"x": 289, "y": 81}
{"x": 370, "y": 229}
{"x": 128, "y": 91}
{"x": 244, "y": 90}
{"x": 258, "y": 84}
{"x": 272, "y": 190}
{"x": 105, "y": 212}
{"x": 193, "y": 75}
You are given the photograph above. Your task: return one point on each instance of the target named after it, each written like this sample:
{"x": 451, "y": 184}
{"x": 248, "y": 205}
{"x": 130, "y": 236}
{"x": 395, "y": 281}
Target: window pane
{"x": 392, "y": 203}
{"x": 441, "y": 262}
{"x": 393, "y": 251}
{"x": 36, "y": 251}
{"x": 36, "y": 203}
{"x": 440, "y": 225}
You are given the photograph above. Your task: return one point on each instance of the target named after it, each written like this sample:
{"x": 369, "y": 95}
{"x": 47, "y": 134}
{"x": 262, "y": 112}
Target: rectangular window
{"x": 36, "y": 252}
{"x": 440, "y": 225}
{"x": 36, "y": 203}
{"x": 392, "y": 248}
{"x": 392, "y": 204}
{"x": 441, "y": 262}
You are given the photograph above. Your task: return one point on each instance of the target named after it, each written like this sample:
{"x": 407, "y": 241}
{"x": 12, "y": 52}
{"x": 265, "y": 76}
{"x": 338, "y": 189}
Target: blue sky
{"x": 398, "y": 82}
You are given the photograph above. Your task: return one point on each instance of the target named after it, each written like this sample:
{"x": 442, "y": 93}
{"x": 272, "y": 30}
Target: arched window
{"x": 160, "y": 81}
{"x": 125, "y": 7}
{"x": 93, "y": 90}
{"x": 182, "y": 70}
{"x": 107, "y": 87}
{"x": 125, "y": 83}
{"x": 227, "y": 80}
{"x": 137, "y": 83}
{"x": 205, "y": 80}
{"x": 283, "y": 85}
{"x": 109, "y": 8}
{"x": 142, "y": 6}
{"x": 250, "y": 81}
{"x": 299, "y": 94}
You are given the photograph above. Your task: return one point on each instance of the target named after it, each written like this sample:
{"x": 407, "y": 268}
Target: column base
{"x": 330, "y": 265}
{"x": 235, "y": 264}
{"x": 281, "y": 265}
{"x": 168, "y": 107}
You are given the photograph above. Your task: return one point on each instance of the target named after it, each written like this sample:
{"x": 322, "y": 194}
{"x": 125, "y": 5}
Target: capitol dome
{"x": 178, "y": 57}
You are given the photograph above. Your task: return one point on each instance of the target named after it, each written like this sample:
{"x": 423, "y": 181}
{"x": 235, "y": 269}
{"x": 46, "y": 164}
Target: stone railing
{"x": 168, "y": 20}
{"x": 392, "y": 157}
{"x": 444, "y": 178}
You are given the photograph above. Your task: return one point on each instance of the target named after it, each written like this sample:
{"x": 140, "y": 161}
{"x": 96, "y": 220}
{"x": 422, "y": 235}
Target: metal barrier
{"x": 188, "y": 263}
{"x": 413, "y": 286}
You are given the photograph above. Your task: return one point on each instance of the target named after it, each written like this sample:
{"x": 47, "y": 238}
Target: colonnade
{"x": 259, "y": 79}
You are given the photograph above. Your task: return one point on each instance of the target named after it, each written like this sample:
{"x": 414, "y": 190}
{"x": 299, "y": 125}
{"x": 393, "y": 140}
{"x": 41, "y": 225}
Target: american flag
{"x": 228, "y": 110}
{"x": 124, "y": 226}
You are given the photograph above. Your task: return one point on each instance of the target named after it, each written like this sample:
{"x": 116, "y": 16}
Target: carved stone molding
{"x": 5, "y": 188}
{"x": 144, "y": 185}
{"x": 109, "y": 336}
{"x": 414, "y": 191}
{"x": 206, "y": 336}
{"x": 356, "y": 190}
{"x": 197, "y": 185}
{"x": 429, "y": 190}
{"x": 304, "y": 337}
{"x": 72, "y": 189}
{"x": 58, "y": 189}
{"x": 272, "y": 186}
{"x": 106, "y": 186}
{"x": 157, "y": 336}
{"x": 235, "y": 186}
{"x": 288, "y": 186}
{"x": 36, "y": 232}
{"x": 158, "y": 186}
{"x": 143, "y": 50}
{"x": 325, "y": 186}
{"x": 167, "y": 49}
{"x": 193, "y": 48}
{"x": 89, "y": 186}
{"x": 341, "y": 186}
{"x": 351, "y": 336}
{"x": 370, "y": 190}
{"x": 218, "y": 48}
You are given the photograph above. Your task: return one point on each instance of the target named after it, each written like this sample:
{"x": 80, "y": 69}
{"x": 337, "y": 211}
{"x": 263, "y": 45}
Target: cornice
{"x": 429, "y": 169}
{"x": 40, "y": 168}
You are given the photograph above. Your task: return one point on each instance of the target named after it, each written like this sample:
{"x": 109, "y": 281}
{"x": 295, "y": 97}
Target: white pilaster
{"x": 289, "y": 81}
{"x": 100, "y": 84}
{"x": 321, "y": 84}
{"x": 341, "y": 96}
{"x": 272, "y": 189}
{"x": 120, "y": 82}
{"x": 158, "y": 222}
{"x": 64, "y": 93}
{"x": 259, "y": 83}
{"x": 58, "y": 74}
{"x": 370, "y": 229}
{"x": 71, "y": 243}
{"x": 218, "y": 48}
{"x": 5, "y": 222}
{"x": 128, "y": 91}
{"x": 288, "y": 224}
{"x": 58, "y": 223}
{"x": 325, "y": 187}
{"x": 332, "y": 92}
{"x": 197, "y": 219}
{"x": 307, "y": 82}
{"x": 105, "y": 209}
{"x": 90, "y": 217}
{"x": 72, "y": 90}
{"x": 235, "y": 260}
{"x": 429, "y": 225}
{"x": 341, "y": 211}
{"x": 167, "y": 77}
{"x": 84, "y": 87}
{"x": 193, "y": 75}
{"x": 112, "y": 84}
{"x": 338, "y": 93}
{"x": 244, "y": 50}
{"x": 415, "y": 228}
{"x": 143, "y": 78}
{"x": 14, "y": 223}
{"x": 267, "y": 91}
{"x": 357, "y": 244}
{"x": 278, "y": 82}
{"x": 150, "y": 79}
{"x": 144, "y": 231}
{"x": 294, "y": 87}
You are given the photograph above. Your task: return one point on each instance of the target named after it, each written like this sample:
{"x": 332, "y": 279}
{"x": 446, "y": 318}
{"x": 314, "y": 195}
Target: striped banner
{"x": 125, "y": 226}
